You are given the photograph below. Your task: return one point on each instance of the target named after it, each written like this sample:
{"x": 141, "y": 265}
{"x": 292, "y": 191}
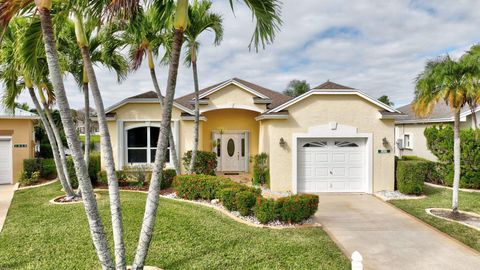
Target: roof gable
{"x": 147, "y": 97}
{"x": 331, "y": 85}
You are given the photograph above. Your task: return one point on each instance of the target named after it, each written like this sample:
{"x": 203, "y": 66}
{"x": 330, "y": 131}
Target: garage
{"x": 6, "y": 164}
{"x": 332, "y": 165}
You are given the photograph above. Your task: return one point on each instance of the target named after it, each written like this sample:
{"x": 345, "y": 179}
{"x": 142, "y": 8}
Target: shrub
{"x": 167, "y": 180}
{"x": 32, "y": 165}
{"x": 102, "y": 177}
{"x": 227, "y": 197}
{"x": 245, "y": 200}
{"x": 440, "y": 143}
{"x": 46, "y": 150}
{"x": 410, "y": 176}
{"x": 28, "y": 179}
{"x": 93, "y": 169}
{"x": 205, "y": 162}
{"x": 265, "y": 210}
{"x": 198, "y": 186}
{"x": 139, "y": 174}
{"x": 49, "y": 169}
{"x": 297, "y": 207}
{"x": 261, "y": 172}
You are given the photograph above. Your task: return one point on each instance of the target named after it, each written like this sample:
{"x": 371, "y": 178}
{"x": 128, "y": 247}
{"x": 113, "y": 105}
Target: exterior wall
{"x": 418, "y": 141}
{"x": 232, "y": 96}
{"x": 320, "y": 110}
{"x": 231, "y": 119}
{"x": 21, "y": 131}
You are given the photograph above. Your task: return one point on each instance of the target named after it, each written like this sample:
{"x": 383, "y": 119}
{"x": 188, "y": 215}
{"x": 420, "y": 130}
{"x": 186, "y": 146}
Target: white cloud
{"x": 374, "y": 45}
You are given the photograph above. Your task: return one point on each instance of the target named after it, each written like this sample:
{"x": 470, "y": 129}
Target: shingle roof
{"x": 441, "y": 112}
{"x": 332, "y": 85}
{"x": 276, "y": 97}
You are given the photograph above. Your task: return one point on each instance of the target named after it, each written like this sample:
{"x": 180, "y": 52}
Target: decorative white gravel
{"x": 267, "y": 191}
{"x": 251, "y": 218}
{"x": 396, "y": 195}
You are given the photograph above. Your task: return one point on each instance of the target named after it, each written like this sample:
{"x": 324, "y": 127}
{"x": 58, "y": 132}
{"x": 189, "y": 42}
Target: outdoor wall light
{"x": 282, "y": 142}
{"x": 385, "y": 142}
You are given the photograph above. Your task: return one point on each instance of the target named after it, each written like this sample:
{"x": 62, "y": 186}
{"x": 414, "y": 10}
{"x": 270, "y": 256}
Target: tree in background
{"x": 471, "y": 60}
{"x": 296, "y": 88}
{"x": 386, "y": 100}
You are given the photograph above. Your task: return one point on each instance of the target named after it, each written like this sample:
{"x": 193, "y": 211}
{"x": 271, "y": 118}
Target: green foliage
{"x": 296, "y": 88}
{"x": 265, "y": 210}
{"x": 410, "y": 176}
{"x": 227, "y": 197}
{"x": 93, "y": 170}
{"x": 261, "y": 172}
{"x": 32, "y": 165}
{"x": 386, "y": 100}
{"x": 49, "y": 169}
{"x": 27, "y": 179}
{"x": 205, "y": 163}
{"x": 199, "y": 186}
{"x": 139, "y": 174}
{"x": 167, "y": 179}
{"x": 440, "y": 143}
{"x": 245, "y": 201}
{"x": 293, "y": 209}
{"x": 45, "y": 151}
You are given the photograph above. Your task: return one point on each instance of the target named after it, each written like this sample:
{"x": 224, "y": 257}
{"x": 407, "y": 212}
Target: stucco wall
{"x": 21, "y": 131}
{"x": 231, "y": 119}
{"x": 320, "y": 110}
{"x": 418, "y": 140}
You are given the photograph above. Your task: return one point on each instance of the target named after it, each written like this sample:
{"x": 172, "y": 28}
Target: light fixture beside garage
{"x": 282, "y": 142}
{"x": 385, "y": 142}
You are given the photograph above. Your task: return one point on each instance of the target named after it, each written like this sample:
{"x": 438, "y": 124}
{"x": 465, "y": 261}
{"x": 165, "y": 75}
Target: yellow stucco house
{"x": 331, "y": 139}
{"x": 17, "y": 142}
{"x": 410, "y": 140}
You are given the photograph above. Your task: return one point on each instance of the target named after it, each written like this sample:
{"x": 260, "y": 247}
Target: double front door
{"x": 232, "y": 151}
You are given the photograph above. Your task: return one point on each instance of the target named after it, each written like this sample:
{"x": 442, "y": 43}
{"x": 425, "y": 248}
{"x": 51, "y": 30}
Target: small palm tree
{"x": 444, "y": 79}
{"x": 201, "y": 19}
{"x": 471, "y": 60}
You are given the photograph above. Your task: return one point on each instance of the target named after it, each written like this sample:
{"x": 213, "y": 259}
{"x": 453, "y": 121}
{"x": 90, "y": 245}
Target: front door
{"x": 233, "y": 152}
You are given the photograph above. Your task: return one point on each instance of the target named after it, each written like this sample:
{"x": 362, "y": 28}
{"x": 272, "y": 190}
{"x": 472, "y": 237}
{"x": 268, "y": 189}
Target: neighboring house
{"x": 17, "y": 142}
{"x": 331, "y": 139}
{"x": 80, "y": 115}
{"x": 409, "y": 129}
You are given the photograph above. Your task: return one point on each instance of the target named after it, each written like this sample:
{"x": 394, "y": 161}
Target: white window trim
{"x": 410, "y": 141}
{"x": 147, "y": 124}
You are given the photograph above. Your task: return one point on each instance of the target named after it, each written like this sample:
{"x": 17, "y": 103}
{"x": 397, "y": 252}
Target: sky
{"x": 376, "y": 46}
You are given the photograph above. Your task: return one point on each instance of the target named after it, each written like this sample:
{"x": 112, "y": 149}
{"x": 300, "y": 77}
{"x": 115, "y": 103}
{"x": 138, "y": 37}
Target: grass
{"x": 93, "y": 138}
{"x": 442, "y": 198}
{"x": 38, "y": 235}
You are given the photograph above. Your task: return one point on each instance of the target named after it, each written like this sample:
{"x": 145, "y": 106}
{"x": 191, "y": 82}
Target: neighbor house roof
{"x": 331, "y": 85}
{"x": 440, "y": 113}
{"x": 16, "y": 113}
{"x": 275, "y": 97}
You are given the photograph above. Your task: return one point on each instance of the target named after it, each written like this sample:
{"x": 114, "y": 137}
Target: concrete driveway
{"x": 6, "y": 195}
{"x": 388, "y": 238}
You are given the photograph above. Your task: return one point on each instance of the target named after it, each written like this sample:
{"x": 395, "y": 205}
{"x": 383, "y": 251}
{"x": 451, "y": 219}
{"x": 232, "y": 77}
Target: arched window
{"x": 142, "y": 144}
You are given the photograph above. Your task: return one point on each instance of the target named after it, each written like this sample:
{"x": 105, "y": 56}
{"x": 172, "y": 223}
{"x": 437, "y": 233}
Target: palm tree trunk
{"x": 53, "y": 144}
{"x": 456, "y": 160}
{"x": 90, "y": 204}
{"x": 154, "y": 189}
{"x": 474, "y": 117}
{"x": 173, "y": 148}
{"x": 197, "y": 117}
{"x": 86, "y": 99}
{"x": 106, "y": 149}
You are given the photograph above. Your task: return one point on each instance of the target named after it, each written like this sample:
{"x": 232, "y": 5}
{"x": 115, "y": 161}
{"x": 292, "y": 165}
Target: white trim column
{"x": 121, "y": 142}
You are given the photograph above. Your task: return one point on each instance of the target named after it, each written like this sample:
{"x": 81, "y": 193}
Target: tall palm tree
{"x": 444, "y": 79}
{"x": 471, "y": 60}
{"x": 201, "y": 20}
{"x": 146, "y": 38}
{"x": 13, "y": 59}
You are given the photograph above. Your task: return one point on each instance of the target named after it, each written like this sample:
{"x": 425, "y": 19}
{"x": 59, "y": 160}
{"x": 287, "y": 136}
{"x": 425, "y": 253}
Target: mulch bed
{"x": 464, "y": 217}
{"x": 63, "y": 199}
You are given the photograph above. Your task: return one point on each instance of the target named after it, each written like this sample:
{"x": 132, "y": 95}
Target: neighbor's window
{"x": 407, "y": 141}
{"x": 142, "y": 144}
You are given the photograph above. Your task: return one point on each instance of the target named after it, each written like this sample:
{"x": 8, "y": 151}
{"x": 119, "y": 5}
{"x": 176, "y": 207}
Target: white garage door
{"x": 5, "y": 161}
{"x": 331, "y": 165}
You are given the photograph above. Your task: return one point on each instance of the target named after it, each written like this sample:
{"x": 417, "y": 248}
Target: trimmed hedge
{"x": 296, "y": 208}
{"x": 235, "y": 196}
{"x": 93, "y": 169}
{"x": 261, "y": 172}
{"x": 410, "y": 176}
{"x": 205, "y": 162}
{"x": 45, "y": 167}
{"x": 123, "y": 176}
{"x": 49, "y": 169}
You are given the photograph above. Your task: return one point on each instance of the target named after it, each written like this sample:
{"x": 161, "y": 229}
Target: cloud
{"x": 374, "y": 45}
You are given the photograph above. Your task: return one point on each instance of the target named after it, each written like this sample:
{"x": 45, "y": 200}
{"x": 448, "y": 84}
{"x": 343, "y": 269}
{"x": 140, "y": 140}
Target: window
{"x": 315, "y": 144}
{"x": 243, "y": 147}
{"x": 231, "y": 147}
{"x": 407, "y": 141}
{"x": 345, "y": 144}
{"x": 142, "y": 144}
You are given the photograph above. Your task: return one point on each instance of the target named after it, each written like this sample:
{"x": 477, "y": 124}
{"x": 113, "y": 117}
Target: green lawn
{"x": 442, "y": 198}
{"x": 93, "y": 138}
{"x": 38, "y": 235}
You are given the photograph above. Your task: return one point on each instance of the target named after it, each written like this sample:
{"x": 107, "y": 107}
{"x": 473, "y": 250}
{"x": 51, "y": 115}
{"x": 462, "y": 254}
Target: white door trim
{"x": 9, "y": 138}
{"x": 218, "y": 134}
{"x": 334, "y": 130}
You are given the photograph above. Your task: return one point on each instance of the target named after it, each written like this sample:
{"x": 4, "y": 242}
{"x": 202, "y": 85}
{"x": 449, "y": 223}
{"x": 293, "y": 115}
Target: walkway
{"x": 388, "y": 238}
{"x": 6, "y": 195}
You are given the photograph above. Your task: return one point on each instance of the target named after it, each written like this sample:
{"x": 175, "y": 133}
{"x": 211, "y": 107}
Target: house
{"x": 409, "y": 129}
{"x": 331, "y": 139}
{"x": 17, "y": 142}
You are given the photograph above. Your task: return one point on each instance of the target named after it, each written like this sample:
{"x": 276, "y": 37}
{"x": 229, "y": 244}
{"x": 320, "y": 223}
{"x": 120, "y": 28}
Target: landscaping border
{"x": 446, "y": 187}
{"x": 429, "y": 211}
{"x": 52, "y": 201}
{"x": 40, "y": 185}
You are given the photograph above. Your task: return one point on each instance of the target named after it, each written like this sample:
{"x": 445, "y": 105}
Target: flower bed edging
{"x": 403, "y": 197}
{"x": 429, "y": 211}
{"x": 40, "y": 185}
{"x": 447, "y": 187}
{"x": 53, "y": 201}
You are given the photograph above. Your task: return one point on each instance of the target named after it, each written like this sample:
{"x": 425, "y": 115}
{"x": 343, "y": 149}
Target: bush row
{"x": 205, "y": 162}
{"x": 93, "y": 169}
{"x": 410, "y": 175}
{"x": 137, "y": 177}
{"x": 244, "y": 199}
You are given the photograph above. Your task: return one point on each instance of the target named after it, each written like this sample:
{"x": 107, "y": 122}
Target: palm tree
{"x": 444, "y": 78}
{"x": 145, "y": 38}
{"x": 13, "y": 58}
{"x": 201, "y": 19}
{"x": 471, "y": 60}
{"x": 296, "y": 88}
